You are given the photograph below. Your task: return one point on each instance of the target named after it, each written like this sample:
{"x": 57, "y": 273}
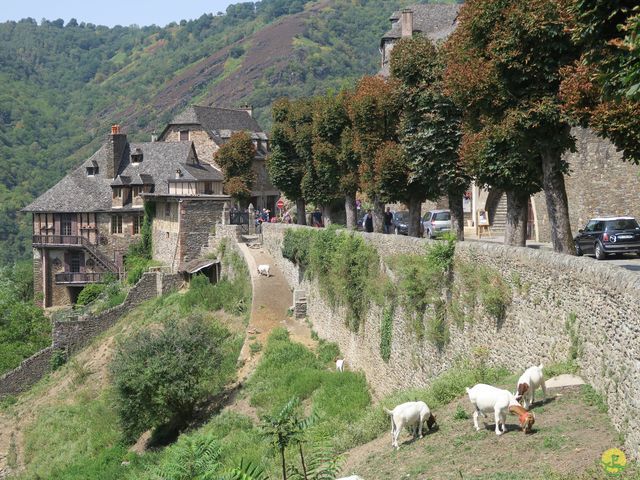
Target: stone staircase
{"x": 500, "y": 216}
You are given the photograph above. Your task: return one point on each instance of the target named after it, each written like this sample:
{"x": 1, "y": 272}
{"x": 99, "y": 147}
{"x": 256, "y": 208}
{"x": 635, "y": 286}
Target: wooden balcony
{"x": 59, "y": 241}
{"x": 80, "y": 278}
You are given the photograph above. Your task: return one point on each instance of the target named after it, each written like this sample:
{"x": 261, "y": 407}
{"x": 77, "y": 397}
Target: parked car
{"x": 400, "y": 223}
{"x": 436, "y": 222}
{"x": 608, "y": 235}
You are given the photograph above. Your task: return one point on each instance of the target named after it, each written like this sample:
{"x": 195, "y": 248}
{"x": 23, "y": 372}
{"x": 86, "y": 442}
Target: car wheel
{"x": 599, "y": 251}
{"x": 579, "y": 252}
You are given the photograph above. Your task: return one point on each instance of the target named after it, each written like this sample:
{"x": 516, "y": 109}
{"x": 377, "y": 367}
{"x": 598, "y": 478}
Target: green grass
{"x": 78, "y": 435}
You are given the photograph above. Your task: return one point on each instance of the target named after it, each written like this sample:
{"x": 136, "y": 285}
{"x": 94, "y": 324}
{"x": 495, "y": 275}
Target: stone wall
{"x": 197, "y": 219}
{"x": 29, "y": 372}
{"x": 546, "y": 288}
{"x": 73, "y": 335}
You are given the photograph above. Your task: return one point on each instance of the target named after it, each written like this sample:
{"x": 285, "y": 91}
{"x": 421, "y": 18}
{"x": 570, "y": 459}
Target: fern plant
{"x": 321, "y": 463}
{"x": 192, "y": 458}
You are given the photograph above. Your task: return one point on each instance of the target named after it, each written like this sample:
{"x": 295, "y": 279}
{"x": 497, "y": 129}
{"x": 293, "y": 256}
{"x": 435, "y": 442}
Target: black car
{"x": 608, "y": 235}
{"x": 400, "y": 223}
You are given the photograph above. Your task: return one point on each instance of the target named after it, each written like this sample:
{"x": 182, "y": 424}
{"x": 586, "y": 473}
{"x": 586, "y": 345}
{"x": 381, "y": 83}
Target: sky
{"x": 112, "y": 12}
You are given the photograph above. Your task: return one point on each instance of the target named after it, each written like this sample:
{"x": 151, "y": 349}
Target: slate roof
{"x": 78, "y": 192}
{"x": 436, "y": 21}
{"x": 218, "y": 122}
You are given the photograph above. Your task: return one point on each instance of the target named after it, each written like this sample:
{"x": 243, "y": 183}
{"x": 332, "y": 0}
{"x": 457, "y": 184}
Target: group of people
{"x": 387, "y": 222}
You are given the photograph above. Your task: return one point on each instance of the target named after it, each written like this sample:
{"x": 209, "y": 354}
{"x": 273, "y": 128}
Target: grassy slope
{"x": 67, "y": 426}
{"x": 75, "y": 434}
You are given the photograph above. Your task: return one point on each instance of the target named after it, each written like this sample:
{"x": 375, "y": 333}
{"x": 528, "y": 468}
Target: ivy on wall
{"x": 348, "y": 272}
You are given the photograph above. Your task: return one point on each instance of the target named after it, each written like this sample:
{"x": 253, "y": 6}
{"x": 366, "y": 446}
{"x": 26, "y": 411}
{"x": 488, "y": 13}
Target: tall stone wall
{"x": 546, "y": 288}
{"x": 72, "y": 335}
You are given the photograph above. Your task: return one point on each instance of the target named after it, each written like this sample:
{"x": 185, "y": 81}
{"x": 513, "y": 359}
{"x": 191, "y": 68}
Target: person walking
{"x": 388, "y": 221}
{"x": 368, "y": 222}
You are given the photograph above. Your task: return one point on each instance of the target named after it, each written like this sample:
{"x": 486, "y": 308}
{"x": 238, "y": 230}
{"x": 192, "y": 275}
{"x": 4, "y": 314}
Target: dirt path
{"x": 272, "y": 299}
{"x": 562, "y": 443}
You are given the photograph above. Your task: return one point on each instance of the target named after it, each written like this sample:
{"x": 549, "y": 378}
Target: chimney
{"x": 154, "y": 136}
{"x": 247, "y": 108}
{"x": 178, "y": 173}
{"x": 116, "y": 146}
{"x": 406, "y": 22}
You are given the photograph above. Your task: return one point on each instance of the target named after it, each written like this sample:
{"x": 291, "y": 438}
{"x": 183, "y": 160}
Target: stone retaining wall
{"x": 73, "y": 335}
{"x": 546, "y": 288}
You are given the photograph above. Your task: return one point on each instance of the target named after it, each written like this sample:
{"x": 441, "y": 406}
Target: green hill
{"x": 64, "y": 84}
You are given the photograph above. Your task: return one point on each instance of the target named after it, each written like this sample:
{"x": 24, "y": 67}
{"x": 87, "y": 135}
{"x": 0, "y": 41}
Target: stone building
{"x": 435, "y": 21}
{"x": 599, "y": 182}
{"x": 83, "y": 226}
{"x": 210, "y": 127}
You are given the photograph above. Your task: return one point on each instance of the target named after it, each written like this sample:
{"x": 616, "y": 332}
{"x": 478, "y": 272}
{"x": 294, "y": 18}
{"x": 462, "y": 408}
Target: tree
{"x": 430, "y": 132}
{"x": 283, "y": 429}
{"x": 374, "y": 110}
{"x": 236, "y": 160}
{"x": 602, "y": 88}
{"x": 291, "y": 149}
{"x": 161, "y": 374}
{"x": 334, "y": 163}
{"x": 503, "y": 69}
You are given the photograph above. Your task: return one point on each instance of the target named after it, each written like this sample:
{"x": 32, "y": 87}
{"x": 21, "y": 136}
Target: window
{"x": 117, "y": 192}
{"x": 184, "y": 135}
{"x": 167, "y": 210}
{"x": 137, "y": 191}
{"x": 208, "y": 188}
{"x": 65, "y": 225}
{"x": 137, "y": 224}
{"x": 116, "y": 223}
{"x": 91, "y": 171}
{"x": 75, "y": 262}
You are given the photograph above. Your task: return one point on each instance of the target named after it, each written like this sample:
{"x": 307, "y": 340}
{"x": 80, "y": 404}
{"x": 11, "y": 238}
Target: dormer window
{"x": 136, "y": 156}
{"x": 117, "y": 192}
{"x": 184, "y": 135}
{"x": 91, "y": 171}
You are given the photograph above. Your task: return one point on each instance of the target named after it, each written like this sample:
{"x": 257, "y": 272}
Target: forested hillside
{"x": 62, "y": 85}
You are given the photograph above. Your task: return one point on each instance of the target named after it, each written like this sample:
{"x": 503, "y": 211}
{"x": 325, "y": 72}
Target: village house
{"x": 210, "y": 127}
{"x": 83, "y": 226}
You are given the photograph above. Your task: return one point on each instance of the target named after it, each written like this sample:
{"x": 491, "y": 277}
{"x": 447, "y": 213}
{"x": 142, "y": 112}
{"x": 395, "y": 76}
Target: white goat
{"x": 410, "y": 414}
{"x": 264, "y": 270}
{"x": 529, "y": 381}
{"x": 486, "y": 398}
{"x": 340, "y": 364}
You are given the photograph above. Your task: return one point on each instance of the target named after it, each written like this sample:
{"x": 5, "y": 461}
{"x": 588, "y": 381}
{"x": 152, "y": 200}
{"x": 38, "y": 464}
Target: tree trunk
{"x": 284, "y": 466}
{"x": 457, "y": 215}
{"x": 304, "y": 467}
{"x": 350, "y": 210}
{"x": 517, "y": 212}
{"x": 326, "y": 215}
{"x": 300, "y": 212}
{"x": 557, "y": 205}
{"x": 413, "y": 222}
{"x": 378, "y": 216}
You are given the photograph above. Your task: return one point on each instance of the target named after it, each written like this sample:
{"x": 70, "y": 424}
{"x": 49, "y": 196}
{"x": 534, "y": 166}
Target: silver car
{"x": 436, "y": 222}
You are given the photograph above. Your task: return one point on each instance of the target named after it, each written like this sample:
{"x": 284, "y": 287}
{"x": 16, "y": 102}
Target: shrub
{"x": 386, "y": 331}
{"x": 58, "y": 358}
{"x": 89, "y": 293}
{"x": 161, "y": 374}
{"x": 346, "y": 268}
{"x": 232, "y": 296}
{"x": 327, "y": 352}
